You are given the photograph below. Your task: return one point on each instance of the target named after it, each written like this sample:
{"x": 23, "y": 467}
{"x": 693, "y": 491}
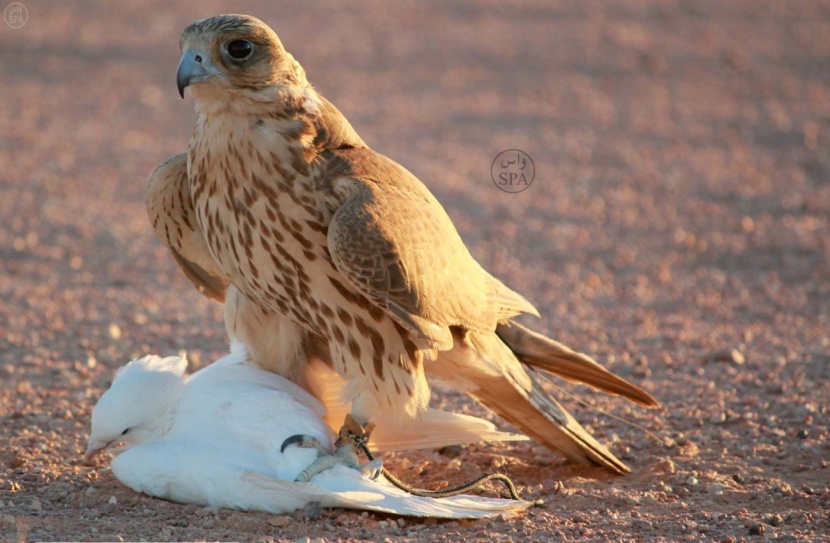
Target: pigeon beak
{"x": 94, "y": 448}
{"x": 192, "y": 69}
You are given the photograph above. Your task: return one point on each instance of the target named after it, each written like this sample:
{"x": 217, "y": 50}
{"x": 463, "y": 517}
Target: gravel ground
{"x": 677, "y": 229}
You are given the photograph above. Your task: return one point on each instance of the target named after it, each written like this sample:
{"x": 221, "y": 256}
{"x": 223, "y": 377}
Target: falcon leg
{"x": 346, "y": 452}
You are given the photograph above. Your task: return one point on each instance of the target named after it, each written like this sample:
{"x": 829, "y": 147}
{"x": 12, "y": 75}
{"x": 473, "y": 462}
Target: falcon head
{"x": 139, "y": 405}
{"x": 232, "y": 53}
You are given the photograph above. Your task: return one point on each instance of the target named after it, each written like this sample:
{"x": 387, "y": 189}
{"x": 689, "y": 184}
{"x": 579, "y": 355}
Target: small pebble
{"x": 383, "y": 524}
{"x": 642, "y": 525}
{"x": 717, "y": 489}
{"x": 113, "y": 500}
{"x": 733, "y": 355}
{"x": 280, "y": 521}
{"x": 580, "y": 519}
{"x": 692, "y": 480}
{"x": 36, "y": 506}
{"x": 17, "y": 461}
{"x": 756, "y": 528}
{"x": 313, "y": 511}
{"x": 774, "y": 520}
{"x": 451, "y": 451}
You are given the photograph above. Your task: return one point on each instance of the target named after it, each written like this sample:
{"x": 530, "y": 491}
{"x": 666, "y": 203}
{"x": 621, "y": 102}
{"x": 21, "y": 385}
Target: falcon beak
{"x": 192, "y": 69}
{"x": 94, "y": 448}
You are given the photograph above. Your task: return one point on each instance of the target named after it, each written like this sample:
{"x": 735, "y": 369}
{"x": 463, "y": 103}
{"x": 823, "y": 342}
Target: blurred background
{"x": 674, "y": 144}
{"x": 678, "y": 226}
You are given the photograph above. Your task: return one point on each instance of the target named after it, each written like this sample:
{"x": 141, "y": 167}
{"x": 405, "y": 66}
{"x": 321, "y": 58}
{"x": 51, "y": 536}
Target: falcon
{"x": 323, "y": 248}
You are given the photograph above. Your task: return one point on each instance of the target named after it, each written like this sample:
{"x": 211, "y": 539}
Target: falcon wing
{"x": 170, "y": 209}
{"x": 397, "y": 246}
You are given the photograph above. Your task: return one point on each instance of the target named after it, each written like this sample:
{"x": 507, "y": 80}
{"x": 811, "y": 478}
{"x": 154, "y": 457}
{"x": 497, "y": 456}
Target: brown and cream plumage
{"x": 343, "y": 253}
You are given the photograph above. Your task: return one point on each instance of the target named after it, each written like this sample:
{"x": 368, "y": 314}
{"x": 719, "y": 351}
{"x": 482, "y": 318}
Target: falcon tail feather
{"x": 435, "y": 429}
{"x": 544, "y": 353}
{"x": 542, "y": 418}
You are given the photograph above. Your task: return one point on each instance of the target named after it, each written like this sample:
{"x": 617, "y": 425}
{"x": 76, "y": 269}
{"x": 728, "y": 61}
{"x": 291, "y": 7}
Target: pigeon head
{"x": 139, "y": 405}
{"x": 234, "y": 53}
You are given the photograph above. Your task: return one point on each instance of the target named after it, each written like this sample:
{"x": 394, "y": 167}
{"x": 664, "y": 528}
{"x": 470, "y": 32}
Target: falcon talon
{"x": 320, "y": 465}
{"x": 373, "y": 469}
{"x": 347, "y": 456}
{"x": 354, "y": 432}
{"x": 343, "y": 456}
{"x": 304, "y": 441}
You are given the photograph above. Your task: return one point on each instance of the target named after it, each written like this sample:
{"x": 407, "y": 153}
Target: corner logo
{"x": 16, "y": 15}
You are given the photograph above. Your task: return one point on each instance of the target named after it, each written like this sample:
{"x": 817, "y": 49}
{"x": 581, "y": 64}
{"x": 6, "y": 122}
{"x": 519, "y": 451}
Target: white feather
{"x": 222, "y": 448}
{"x": 171, "y": 364}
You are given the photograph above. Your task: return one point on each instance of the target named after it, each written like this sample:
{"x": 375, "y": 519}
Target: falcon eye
{"x": 240, "y": 49}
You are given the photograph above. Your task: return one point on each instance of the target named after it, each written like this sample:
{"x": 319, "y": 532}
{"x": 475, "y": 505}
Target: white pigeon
{"x": 214, "y": 439}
